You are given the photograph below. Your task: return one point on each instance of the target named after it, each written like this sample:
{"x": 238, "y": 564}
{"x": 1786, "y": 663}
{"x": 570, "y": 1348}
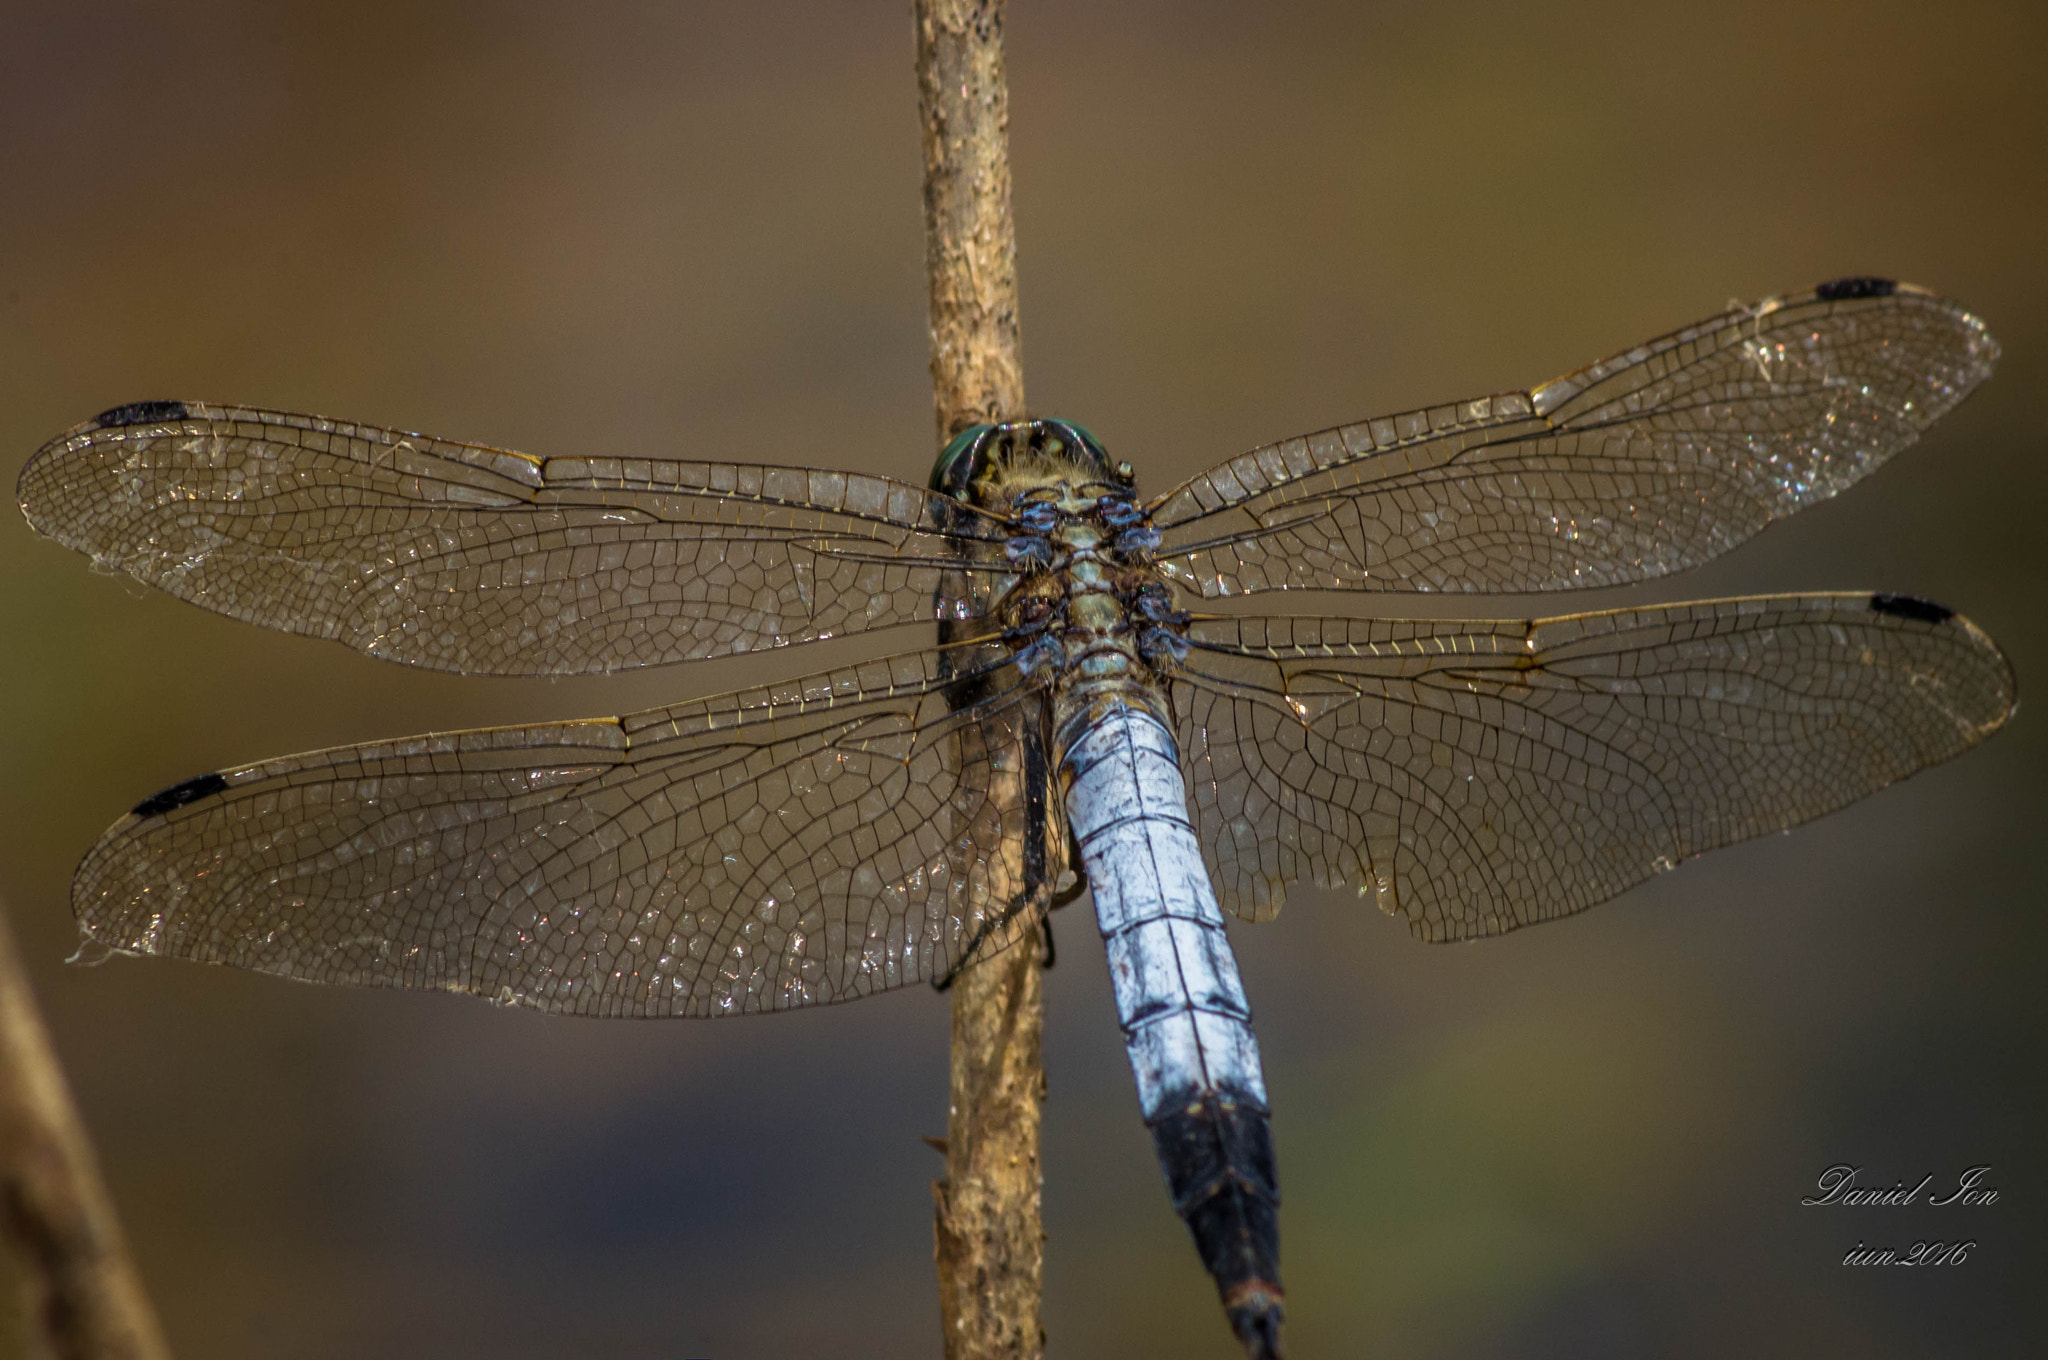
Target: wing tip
{"x": 2003, "y": 676}
{"x": 43, "y": 476}
{"x": 1869, "y": 287}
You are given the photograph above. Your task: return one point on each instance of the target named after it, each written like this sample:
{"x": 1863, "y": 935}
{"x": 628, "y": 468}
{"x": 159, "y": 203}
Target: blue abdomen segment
{"x": 1186, "y": 1024}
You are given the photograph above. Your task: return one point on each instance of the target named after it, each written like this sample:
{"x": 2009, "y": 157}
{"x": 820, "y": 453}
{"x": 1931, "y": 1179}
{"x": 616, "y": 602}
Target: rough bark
{"x": 970, "y": 240}
{"x": 84, "y": 1298}
{"x": 990, "y": 1241}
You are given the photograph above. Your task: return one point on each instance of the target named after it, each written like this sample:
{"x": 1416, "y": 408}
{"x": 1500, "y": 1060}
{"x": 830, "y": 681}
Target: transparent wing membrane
{"x": 1481, "y": 776}
{"x": 895, "y": 821}
{"x": 465, "y": 558}
{"x": 798, "y": 845}
{"x": 1650, "y": 462}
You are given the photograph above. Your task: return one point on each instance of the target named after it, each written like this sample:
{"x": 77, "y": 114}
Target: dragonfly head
{"x": 983, "y": 463}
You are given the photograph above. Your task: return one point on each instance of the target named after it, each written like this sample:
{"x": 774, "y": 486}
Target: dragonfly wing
{"x": 1650, "y": 462}
{"x": 1484, "y": 775}
{"x": 801, "y": 845}
{"x": 466, "y": 558}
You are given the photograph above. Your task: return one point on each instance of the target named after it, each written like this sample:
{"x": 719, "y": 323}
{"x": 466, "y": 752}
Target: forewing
{"x": 794, "y": 846}
{"x": 465, "y": 558}
{"x": 1481, "y": 776}
{"x": 1650, "y": 462}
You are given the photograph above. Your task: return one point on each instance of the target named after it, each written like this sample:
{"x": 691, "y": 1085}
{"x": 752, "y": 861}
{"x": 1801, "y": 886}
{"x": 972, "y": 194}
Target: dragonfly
{"x": 1083, "y": 721}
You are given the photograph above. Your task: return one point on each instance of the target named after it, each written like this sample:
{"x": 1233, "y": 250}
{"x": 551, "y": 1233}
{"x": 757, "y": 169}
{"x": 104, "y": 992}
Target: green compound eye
{"x": 1082, "y": 445}
{"x": 952, "y": 473}
{"x": 1088, "y": 440}
{"x": 960, "y": 461}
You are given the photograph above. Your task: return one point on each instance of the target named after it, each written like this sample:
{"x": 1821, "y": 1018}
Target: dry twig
{"x": 990, "y": 1242}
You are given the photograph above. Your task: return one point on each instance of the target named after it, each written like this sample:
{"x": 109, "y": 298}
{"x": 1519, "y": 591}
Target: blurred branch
{"x": 990, "y": 1241}
{"x": 85, "y": 1301}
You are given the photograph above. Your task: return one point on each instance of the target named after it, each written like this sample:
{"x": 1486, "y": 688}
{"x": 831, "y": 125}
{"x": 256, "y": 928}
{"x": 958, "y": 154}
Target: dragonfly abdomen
{"x": 1185, "y": 1020}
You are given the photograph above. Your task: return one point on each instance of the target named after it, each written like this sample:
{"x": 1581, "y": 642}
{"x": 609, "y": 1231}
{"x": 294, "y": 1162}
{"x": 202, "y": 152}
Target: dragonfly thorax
{"x": 1088, "y": 612}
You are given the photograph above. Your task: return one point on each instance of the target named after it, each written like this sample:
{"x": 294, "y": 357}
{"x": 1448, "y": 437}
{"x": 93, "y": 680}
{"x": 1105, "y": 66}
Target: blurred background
{"x": 695, "y": 228}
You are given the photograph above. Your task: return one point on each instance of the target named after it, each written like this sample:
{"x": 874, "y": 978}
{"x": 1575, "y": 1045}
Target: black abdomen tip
{"x": 140, "y": 413}
{"x": 1906, "y": 607}
{"x": 177, "y": 795}
{"x": 1255, "y": 1313}
{"x": 1844, "y": 290}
